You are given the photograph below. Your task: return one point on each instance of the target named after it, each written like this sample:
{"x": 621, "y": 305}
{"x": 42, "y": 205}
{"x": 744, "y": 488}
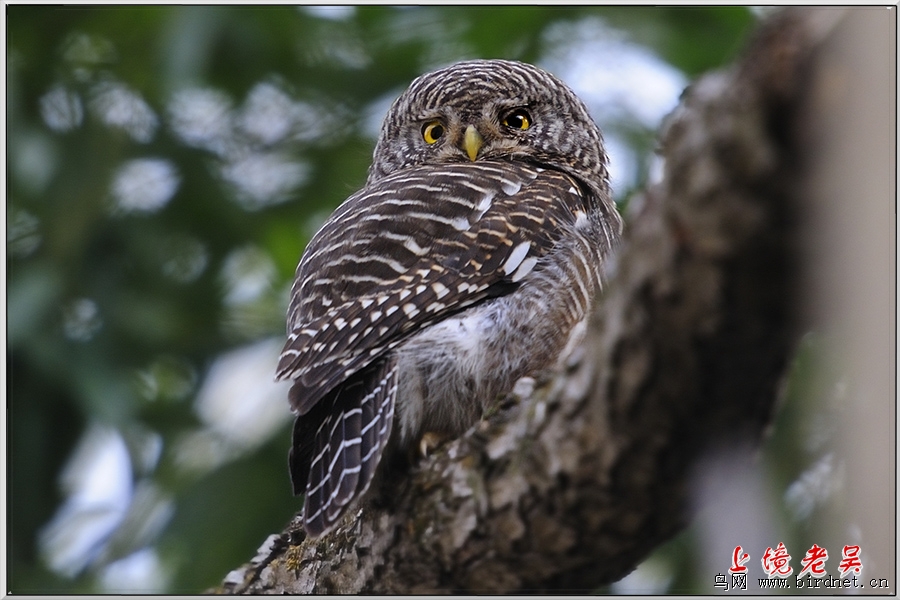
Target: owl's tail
{"x": 338, "y": 444}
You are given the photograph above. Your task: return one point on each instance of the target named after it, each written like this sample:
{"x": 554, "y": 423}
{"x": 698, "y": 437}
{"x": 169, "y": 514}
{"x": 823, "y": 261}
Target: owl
{"x": 470, "y": 259}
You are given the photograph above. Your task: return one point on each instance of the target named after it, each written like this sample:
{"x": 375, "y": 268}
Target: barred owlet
{"x": 469, "y": 260}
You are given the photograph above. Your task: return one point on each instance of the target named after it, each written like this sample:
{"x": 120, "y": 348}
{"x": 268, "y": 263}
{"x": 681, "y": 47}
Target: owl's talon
{"x": 429, "y": 441}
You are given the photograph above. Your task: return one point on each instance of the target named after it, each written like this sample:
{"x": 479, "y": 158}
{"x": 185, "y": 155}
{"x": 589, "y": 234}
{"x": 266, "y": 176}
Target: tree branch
{"x": 587, "y": 472}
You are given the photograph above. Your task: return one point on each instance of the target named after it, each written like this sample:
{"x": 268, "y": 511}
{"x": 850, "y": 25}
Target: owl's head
{"x": 491, "y": 110}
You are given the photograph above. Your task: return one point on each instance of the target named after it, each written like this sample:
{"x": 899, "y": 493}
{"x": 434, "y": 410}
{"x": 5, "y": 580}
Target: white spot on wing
{"x": 440, "y": 289}
{"x": 511, "y": 187}
{"x": 524, "y": 268}
{"x": 516, "y": 257}
{"x": 484, "y": 205}
{"x": 411, "y": 245}
{"x": 459, "y": 224}
{"x": 393, "y": 264}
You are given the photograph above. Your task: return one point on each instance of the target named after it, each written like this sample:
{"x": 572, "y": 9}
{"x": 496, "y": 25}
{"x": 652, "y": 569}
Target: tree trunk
{"x": 574, "y": 483}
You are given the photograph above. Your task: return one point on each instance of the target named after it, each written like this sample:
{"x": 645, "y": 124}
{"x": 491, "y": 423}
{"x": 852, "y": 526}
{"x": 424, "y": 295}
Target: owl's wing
{"x": 412, "y": 249}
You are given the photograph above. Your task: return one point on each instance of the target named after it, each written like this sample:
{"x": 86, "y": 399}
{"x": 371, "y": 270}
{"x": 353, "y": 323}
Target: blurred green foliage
{"x": 144, "y": 241}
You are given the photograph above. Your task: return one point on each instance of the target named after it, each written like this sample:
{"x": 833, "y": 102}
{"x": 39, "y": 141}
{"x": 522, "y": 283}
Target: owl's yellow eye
{"x": 432, "y": 131}
{"x": 518, "y": 119}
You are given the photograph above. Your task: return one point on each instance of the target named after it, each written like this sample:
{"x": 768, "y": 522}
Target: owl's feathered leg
{"x": 338, "y": 444}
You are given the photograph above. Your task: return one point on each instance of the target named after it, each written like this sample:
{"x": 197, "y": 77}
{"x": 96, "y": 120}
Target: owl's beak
{"x": 472, "y": 142}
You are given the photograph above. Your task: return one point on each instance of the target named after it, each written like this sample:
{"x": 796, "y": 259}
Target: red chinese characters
{"x": 814, "y": 561}
{"x": 776, "y": 563}
{"x": 850, "y": 561}
{"x": 737, "y": 561}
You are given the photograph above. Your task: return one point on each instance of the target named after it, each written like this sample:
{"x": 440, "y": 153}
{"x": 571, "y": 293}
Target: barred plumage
{"x": 469, "y": 260}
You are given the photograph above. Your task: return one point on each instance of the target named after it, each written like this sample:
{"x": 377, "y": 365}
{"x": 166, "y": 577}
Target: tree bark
{"x": 580, "y": 477}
